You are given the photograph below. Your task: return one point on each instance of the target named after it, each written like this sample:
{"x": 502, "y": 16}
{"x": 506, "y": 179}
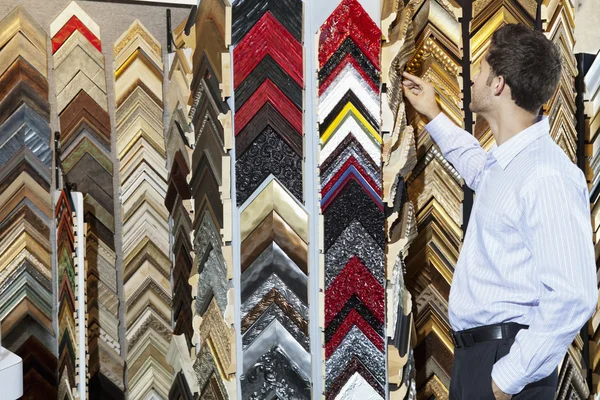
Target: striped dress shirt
{"x": 528, "y": 255}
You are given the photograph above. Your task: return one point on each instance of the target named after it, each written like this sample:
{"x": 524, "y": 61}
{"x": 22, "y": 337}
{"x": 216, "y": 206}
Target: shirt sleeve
{"x": 459, "y": 147}
{"x": 556, "y": 228}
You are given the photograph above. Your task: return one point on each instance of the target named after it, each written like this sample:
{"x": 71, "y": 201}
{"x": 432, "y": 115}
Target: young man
{"x": 525, "y": 281}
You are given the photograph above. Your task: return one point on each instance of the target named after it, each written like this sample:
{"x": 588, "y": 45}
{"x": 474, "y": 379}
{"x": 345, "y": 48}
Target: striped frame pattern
{"x": 351, "y": 203}
{"x": 85, "y": 152}
{"x": 558, "y": 23}
{"x": 85, "y": 142}
{"x": 26, "y": 287}
{"x": 268, "y": 72}
{"x": 435, "y": 189}
{"x": 143, "y": 176}
{"x": 399, "y": 159}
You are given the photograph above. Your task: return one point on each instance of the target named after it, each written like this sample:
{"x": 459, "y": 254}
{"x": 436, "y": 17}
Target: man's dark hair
{"x": 529, "y": 62}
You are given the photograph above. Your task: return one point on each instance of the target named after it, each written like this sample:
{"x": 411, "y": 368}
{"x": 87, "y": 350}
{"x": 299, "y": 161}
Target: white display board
{"x": 11, "y": 375}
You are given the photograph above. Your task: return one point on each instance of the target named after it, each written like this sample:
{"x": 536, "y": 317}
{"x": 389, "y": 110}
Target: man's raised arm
{"x": 459, "y": 147}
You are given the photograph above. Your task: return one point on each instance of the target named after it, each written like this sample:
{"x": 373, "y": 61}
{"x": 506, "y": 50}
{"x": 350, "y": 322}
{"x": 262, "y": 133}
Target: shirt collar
{"x": 506, "y": 152}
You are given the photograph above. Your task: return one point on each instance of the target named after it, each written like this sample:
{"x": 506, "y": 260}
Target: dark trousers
{"x": 472, "y": 374}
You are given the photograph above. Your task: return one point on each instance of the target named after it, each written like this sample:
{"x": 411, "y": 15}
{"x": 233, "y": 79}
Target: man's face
{"x": 481, "y": 92}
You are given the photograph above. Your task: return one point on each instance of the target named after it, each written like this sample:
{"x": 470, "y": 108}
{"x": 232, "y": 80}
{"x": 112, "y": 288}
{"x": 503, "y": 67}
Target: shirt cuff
{"x": 507, "y": 380}
{"x": 440, "y": 129}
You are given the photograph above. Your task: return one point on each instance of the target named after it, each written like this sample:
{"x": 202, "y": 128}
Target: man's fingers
{"x": 408, "y": 93}
{"x": 413, "y": 78}
{"x": 414, "y": 89}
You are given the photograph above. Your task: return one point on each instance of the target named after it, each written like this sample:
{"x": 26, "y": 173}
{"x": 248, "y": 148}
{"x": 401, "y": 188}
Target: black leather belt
{"x": 470, "y": 337}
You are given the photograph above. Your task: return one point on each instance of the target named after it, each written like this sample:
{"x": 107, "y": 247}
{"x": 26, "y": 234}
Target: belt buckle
{"x": 468, "y": 340}
{"x": 452, "y": 333}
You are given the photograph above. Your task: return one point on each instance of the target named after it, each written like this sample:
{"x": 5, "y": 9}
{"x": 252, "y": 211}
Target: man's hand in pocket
{"x": 499, "y": 394}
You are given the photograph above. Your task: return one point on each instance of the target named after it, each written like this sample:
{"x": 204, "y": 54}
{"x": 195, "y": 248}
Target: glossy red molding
{"x": 350, "y": 19}
{"x": 353, "y": 319}
{"x": 268, "y": 36}
{"x": 67, "y": 30}
{"x": 268, "y": 92}
{"x": 355, "y": 278}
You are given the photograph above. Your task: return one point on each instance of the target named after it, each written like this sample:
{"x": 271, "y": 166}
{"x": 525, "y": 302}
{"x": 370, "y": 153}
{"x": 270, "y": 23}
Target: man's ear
{"x": 499, "y": 85}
